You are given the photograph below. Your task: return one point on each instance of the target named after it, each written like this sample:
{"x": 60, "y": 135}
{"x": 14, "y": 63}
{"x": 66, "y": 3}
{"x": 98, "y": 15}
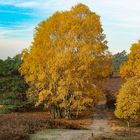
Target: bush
{"x": 12, "y": 87}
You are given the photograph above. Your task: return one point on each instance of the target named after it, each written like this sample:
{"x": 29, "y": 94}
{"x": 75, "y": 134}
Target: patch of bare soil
{"x": 100, "y": 124}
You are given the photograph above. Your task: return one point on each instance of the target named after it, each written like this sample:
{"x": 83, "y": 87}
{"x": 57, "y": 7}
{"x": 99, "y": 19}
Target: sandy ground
{"x": 100, "y": 126}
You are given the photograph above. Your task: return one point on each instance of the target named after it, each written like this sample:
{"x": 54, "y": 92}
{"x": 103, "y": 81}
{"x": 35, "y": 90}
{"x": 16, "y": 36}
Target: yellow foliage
{"x": 132, "y": 67}
{"x": 128, "y": 100}
{"x": 68, "y": 59}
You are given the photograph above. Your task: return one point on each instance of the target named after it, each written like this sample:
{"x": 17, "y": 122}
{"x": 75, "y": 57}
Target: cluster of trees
{"x": 12, "y": 86}
{"x": 66, "y": 65}
{"x": 128, "y": 99}
{"x": 117, "y": 60}
{"x": 67, "y": 62}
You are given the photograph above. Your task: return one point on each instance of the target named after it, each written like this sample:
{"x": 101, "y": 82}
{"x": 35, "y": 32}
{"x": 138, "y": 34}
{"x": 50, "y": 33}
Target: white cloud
{"x": 45, "y": 4}
{"x": 21, "y": 4}
{"x": 121, "y": 22}
{"x": 11, "y": 47}
{"x": 13, "y": 41}
{"x": 120, "y": 11}
{"x": 22, "y": 31}
{"x": 30, "y": 4}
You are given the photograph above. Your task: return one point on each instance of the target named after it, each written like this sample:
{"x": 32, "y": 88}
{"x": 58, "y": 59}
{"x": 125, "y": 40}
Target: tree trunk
{"x": 54, "y": 114}
{"x": 128, "y": 125}
{"x": 77, "y": 113}
{"x": 60, "y": 112}
{"x": 69, "y": 115}
{"x": 66, "y": 113}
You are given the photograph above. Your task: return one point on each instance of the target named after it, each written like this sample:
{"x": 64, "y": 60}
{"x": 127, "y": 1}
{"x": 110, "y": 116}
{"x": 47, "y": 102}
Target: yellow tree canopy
{"x": 132, "y": 67}
{"x": 67, "y": 59}
{"x": 128, "y": 100}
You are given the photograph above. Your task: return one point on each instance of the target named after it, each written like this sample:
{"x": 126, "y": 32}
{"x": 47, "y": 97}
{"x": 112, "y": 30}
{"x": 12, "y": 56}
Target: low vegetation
{"x": 18, "y": 126}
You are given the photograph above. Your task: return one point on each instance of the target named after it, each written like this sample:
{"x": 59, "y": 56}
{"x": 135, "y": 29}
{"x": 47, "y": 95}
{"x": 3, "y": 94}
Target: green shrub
{"x": 12, "y": 87}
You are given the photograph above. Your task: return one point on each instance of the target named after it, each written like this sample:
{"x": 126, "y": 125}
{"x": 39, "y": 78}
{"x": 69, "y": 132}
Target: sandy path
{"x": 100, "y": 126}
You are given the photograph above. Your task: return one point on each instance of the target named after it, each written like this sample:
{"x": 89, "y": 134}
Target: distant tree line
{"x": 117, "y": 60}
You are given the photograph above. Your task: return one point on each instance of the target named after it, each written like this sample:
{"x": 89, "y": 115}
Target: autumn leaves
{"x": 67, "y": 62}
{"x": 69, "y": 59}
{"x": 128, "y": 99}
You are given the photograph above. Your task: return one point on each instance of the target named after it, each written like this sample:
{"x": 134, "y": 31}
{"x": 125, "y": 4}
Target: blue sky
{"x": 18, "y": 18}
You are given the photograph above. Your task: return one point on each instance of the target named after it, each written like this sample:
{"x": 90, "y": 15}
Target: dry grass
{"x": 120, "y": 128}
{"x": 17, "y": 126}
